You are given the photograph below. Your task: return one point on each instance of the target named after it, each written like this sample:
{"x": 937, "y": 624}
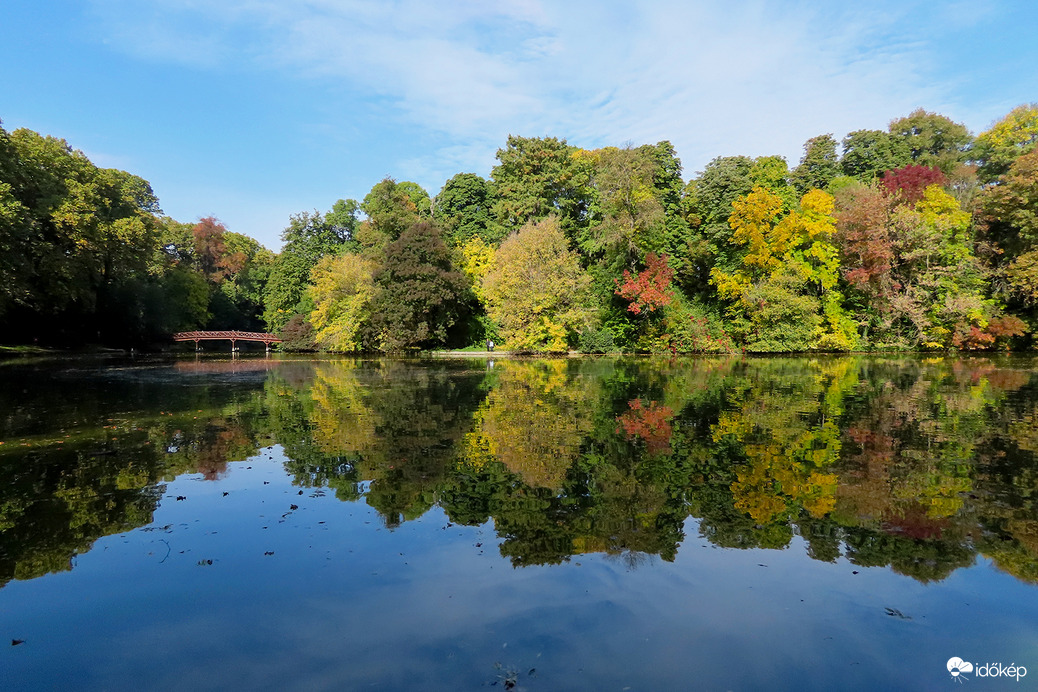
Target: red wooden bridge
{"x": 233, "y": 336}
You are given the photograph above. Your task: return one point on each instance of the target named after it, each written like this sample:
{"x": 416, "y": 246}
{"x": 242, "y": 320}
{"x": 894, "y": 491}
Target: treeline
{"x": 921, "y": 236}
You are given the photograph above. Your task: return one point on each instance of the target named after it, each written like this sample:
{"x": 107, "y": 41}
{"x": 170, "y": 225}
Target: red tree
{"x": 907, "y": 184}
{"x": 650, "y": 289}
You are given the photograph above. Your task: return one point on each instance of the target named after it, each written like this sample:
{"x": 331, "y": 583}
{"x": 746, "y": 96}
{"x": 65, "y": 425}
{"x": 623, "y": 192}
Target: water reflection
{"x": 918, "y": 465}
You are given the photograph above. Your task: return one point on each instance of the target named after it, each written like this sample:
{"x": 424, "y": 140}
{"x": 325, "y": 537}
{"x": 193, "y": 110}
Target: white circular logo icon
{"x": 956, "y": 666}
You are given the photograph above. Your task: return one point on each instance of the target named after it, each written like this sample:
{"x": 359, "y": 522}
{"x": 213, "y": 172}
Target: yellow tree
{"x": 341, "y": 292}
{"x": 783, "y": 290}
{"x": 536, "y": 290}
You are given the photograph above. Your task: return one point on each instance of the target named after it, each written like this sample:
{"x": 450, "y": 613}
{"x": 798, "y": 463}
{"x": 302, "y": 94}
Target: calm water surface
{"x": 605, "y": 524}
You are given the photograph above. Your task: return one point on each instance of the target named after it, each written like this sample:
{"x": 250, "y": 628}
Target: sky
{"x": 254, "y": 110}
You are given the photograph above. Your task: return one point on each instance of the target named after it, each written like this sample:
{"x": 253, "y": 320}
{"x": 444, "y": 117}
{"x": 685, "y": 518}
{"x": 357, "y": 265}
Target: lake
{"x": 735, "y": 523}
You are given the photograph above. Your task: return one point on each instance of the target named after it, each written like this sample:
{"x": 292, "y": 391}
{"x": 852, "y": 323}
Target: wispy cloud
{"x": 739, "y": 77}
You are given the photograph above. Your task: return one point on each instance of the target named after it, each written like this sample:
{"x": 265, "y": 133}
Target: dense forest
{"x": 919, "y": 237}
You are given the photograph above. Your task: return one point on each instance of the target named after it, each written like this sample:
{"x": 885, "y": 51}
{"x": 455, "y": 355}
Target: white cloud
{"x": 739, "y": 78}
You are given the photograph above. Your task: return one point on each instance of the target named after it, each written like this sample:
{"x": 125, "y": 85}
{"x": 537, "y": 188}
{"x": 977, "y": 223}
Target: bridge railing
{"x": 232, "y": 336}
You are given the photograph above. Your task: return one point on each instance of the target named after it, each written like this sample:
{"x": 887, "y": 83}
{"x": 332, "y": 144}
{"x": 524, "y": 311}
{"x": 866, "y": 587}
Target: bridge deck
{"x": 227, "y": 336}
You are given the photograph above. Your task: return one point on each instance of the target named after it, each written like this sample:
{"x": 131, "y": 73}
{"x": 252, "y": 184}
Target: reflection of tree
{"x": 56, "y": 501}
{"x": 649, "y": 422}
{"x": 71, "y": 472}
{"x": 535, "y": 419}
{"x": 784, "y": 427}
{"x": 393, "y": 422}
{"x": 915, "y": 465}
{"x": 922, "y": 559}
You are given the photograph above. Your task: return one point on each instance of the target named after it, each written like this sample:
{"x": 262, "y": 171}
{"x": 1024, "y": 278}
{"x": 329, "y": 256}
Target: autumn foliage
{"x": 650, "y": 424}
{"x": 908, "y": 183}
{"x": 650, "y": 289}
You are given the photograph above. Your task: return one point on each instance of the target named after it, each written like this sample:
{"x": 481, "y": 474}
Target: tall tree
{"x": 536, "y": 177}
{"x": 631, "y": 218}
{"x": 933, "y": 139}
{"x": 420, "y": 296}
{"x": 308, "y": 238}
{"x": 708, "y": 204}
{"x": 818, "y": 166}
{"x": 391, "y": 209}
{"x": 867, "y": 154}
{"x": 462, "y": 209}
{"x": 1011, "y": 137}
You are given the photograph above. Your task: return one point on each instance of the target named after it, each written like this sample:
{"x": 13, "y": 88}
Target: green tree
{"x": 708, "y": 202}
{"x": 462, "y": 209}
{"x": 419, "y": 296}
{"x": 537, "y": 177}
{"x": 391, "y": 208}
{"x": 933, "y": 139}
{"x": 631, "y": 217}
{"x": 308, "y": 238}
{"x": 868, "y": 154}
{"x": 818, "y": 166}
{"x": 999, "y": 146}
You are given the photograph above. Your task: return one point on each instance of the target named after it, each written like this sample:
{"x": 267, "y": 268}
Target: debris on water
{"x": 181, "y": 497}
{"x": 894, "y": 612}
{"x": 203, "y": 563}
{"x": 293, "y": 506}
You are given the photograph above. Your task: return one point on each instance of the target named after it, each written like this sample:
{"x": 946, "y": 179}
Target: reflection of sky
{"x": 349, "y": 604}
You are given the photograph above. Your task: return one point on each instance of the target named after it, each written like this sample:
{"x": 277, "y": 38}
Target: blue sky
{"x": 252, "y": 110}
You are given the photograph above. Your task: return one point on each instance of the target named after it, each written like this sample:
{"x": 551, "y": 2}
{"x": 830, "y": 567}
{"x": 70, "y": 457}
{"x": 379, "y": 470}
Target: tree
{"x": 392, "y": 208}
{"x": 908, "y": 184}
{"x": 869, "y": 153}
{"x": 340, "y": 227}
{"x": 537, "y": 177}
{"x": 787, "y": 275}
{"x": 211, "y": 255}
{"x": 629, "y": 212}
{"x": 866, "y": 253}
{"x": 650, "y": 289}
{"x": 308, "y": 237}
{"x": 1011, "y": 208}
{"x": 419, "y": 296}
{"x": 537, "y": 291}
{"x": 462, "y": 209}
{"x": 819, "y": 165}
{"x": 933, "y": 139}
{"x": 341, "y": 289}
{"x": 708, "y": 204}
{"x": 76, "y": 235}
{"x": 298, "y": 335}
{"x": 772, "y": 172}
{"x": 998, "y": 147}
